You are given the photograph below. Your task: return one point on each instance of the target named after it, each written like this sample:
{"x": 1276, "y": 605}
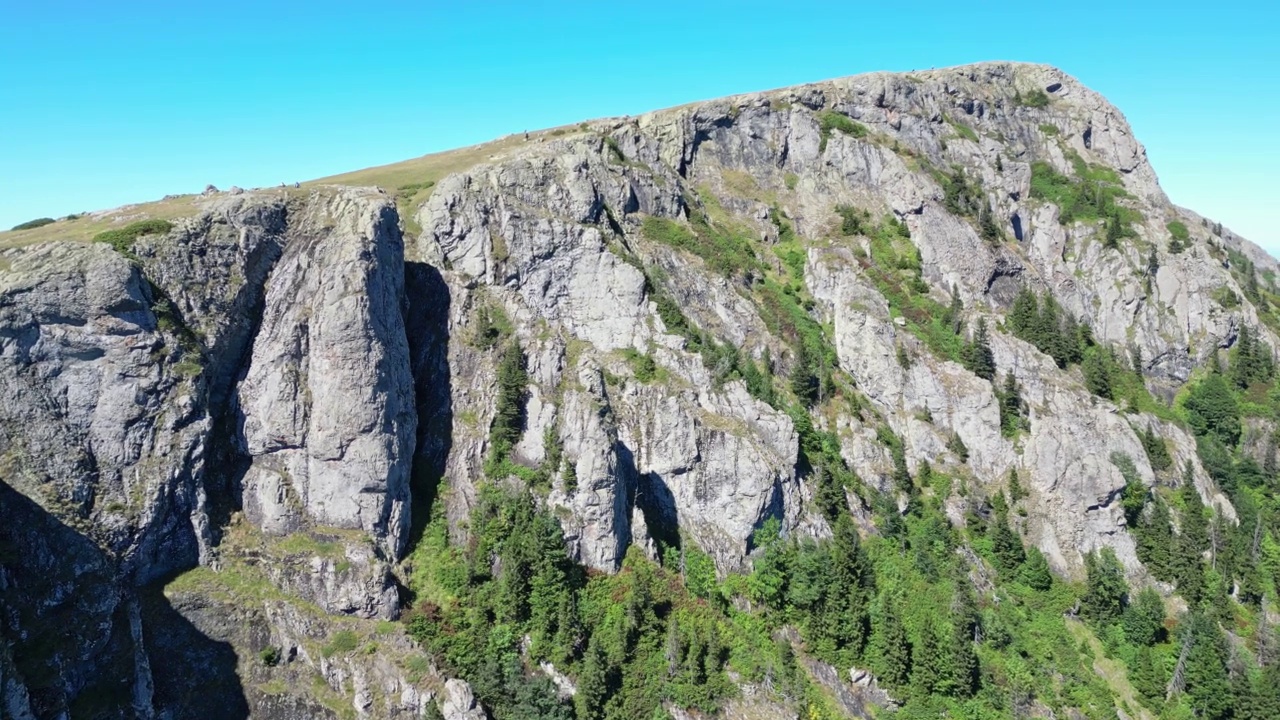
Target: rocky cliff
{"x": 214, "y": 436}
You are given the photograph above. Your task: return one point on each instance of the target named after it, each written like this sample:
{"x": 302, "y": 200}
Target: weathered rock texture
{"x": 258, "y": 390}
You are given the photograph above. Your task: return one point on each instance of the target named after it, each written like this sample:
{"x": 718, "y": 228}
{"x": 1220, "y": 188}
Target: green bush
{"x": 270, "y": 656}
{"x": 1035, "y": 99}
{"x": 642, "y": 365}
{"x": 405, "y": 192}
{"x": 342, "y": 642}
{"x": 727, "y": 251}
{"x": 1094, "y": 193}
{"x": 122, "y": 239}
{"x": 830, "y": 120}
{"x": 33, "y": 224}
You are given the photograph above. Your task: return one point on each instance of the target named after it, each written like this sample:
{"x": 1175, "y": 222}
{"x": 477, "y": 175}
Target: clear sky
{"x": 106, "y": 103}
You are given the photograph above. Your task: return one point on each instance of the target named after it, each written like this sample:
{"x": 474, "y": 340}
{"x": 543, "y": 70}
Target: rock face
{"x": 260, "y": 392}
{"x": 131, "y": 398}
{"x": 328, "y": 397}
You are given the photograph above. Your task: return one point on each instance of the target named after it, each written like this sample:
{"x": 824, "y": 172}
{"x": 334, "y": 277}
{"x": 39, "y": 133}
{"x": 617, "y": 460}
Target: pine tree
{"x": 1115, "y": 231}
{"x": 963, "y": 669}
{"x": 1206, "y": 682}
{"x": 593, "y": 687}
{"x": 1144, "y": 618}
{"x": 1264, "y": 700}
{"x": 978, "y": 357}
{"x": 901, "y": 475}
{"x": 1010, "y": 404}
{"x": 1097, "y": 374}
{"x": 1212, "y": 409}
{"x": 1024, "y": 314}
{"x": 954, "y": 317}
{"x": 1155, "y": 540}
{"x": 1242, "y": 370}
{"x": 1106, "y": 592}
{"x": 1146, "y": 677}
{"x": 927, "y": 664}
{"x": 849, "y": 576}
{"x": 892, "y": 648}
{"x": 1035, "y": 572}
{"x": 1191, "y": 542}
{"x": 1016, "y": 492}
{"x": 508, "y": 418}
{"x": 1194, "y": 526}
{"x": 1005, "y": 544}
{"x": 1157, "y": 451}
{"x": 804, "y": 379}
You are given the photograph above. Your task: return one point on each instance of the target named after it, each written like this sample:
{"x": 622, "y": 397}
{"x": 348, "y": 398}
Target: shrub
{"x": 33, "y": 224}
{"x": 830, "y": 120}
{"x": 405, "y": 192}
{"x": 1047, "y": 129}
{"x": 122, "y": 239}
{"x": 1092, "y": 194}
{"x": 270, "y": 656}
{"x": 343, "y": 641}
{"x": 642, "y": 366}
{"x": 726, "y": 251}
{"x": 1035, "y": 99}
{"x": 1226, "y": 297}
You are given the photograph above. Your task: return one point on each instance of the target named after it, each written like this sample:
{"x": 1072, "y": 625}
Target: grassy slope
{"x": 426, "y": 169}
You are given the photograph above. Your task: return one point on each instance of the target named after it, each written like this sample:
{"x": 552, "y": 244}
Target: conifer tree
{"x": 593, "y": 688}
{"x": 978, "y": 357}
{"x": 1106, "y": 592}
{"x": 1005, "y": 544}
{"x": 1212, "y": 409}
{"x": 1016, "y": 492}
{"x": 954, "y": 317}
{"x": 804, "y": 378}
{"x": 1097, "y": 374}
{"x": 1144, "y": 618}
{"x": 1206, "y": 682}
{"x": 1264, "y": 700}
{"x": 1024, "y": 314}
{"x": 892, "y": 649}
{"x": 1146, "y": 676}
{"x": 962, "y": 671}
{"x": 927, "y": 664}
{"x": 1010, "y": 404}
{"x": 1157, "y": 451}
{"x": 1035, "y": 572}
{"x": 1155, "y": 540}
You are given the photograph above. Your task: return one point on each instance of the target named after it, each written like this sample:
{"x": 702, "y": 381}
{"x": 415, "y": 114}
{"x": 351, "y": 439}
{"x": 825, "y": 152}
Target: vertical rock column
{"x": 327, "y": 400}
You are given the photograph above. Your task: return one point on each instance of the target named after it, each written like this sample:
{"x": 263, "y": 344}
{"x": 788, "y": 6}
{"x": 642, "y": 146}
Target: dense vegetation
{"x": 1092, "y": 193}
{"x": 955, "y": 620}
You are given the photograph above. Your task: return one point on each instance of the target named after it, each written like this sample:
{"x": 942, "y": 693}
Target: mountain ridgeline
{"x": 900, "y": 395}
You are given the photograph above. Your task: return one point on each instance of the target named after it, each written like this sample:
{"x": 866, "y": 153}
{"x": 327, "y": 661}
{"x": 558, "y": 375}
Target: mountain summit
{"x": 903, "y": 391}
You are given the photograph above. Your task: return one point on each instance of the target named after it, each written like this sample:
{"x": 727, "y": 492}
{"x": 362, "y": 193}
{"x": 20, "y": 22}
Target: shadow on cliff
{"x": 427, "y": 328}
{"x": 71, "y": 626}
{"x": 651, "y": 494}
{"x": 194, "y": 674}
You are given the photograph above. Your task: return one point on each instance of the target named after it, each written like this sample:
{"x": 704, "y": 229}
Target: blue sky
{"x": 107, "y": 103}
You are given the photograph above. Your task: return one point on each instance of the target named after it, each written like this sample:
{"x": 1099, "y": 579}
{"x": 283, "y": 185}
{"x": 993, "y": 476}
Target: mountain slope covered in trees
{"x": 900, "y": 395}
